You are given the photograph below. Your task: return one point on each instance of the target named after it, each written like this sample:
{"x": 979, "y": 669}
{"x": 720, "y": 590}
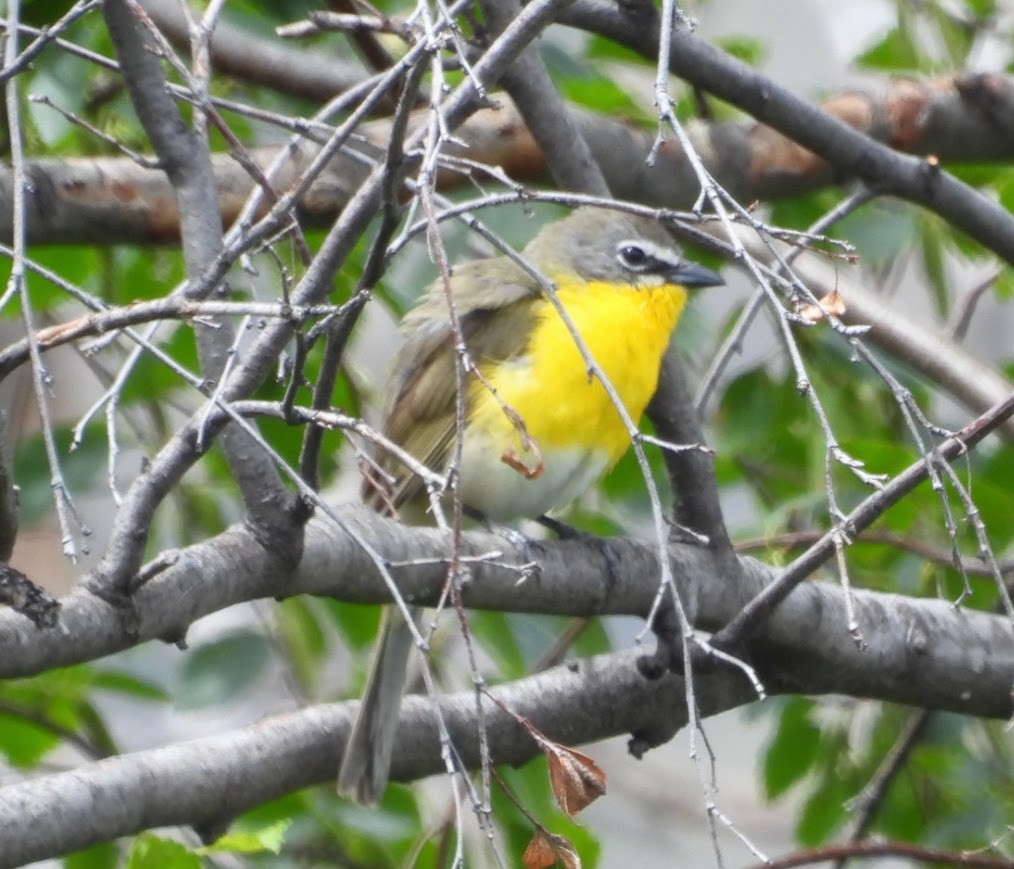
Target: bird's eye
{"x": 633, "y": 257}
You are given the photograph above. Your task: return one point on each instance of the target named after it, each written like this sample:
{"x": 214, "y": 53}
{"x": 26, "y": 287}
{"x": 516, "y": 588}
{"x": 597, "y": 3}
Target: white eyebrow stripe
{"x": 657, "y": 252}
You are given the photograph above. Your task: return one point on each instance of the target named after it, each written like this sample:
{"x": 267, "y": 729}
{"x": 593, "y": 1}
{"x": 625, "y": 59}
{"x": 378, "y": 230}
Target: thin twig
{"x": 901, "y": 850}
{"x": 943, "y": 557}
{"x": 66, "y": 511}
{"x": 961, "y": 318}
{"x": 871, "y": 798}
{"x": 758, "y": 609}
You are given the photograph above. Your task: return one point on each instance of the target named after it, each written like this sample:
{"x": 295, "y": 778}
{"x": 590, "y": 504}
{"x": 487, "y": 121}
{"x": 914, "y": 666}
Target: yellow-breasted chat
{"x": 538, "y": 431}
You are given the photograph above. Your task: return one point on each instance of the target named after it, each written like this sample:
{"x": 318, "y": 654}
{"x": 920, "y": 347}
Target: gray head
{"x": 599, "y": 244}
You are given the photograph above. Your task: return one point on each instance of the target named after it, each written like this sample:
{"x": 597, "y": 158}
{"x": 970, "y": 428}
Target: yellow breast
{"x": 626, "y": 329}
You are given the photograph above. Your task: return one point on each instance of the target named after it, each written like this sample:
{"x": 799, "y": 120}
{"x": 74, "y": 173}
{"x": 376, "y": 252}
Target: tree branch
{"x": 113, "y": 200}
{"x": 752, "y": 616}
{"x": 935, "y": 355}
{"x": 901, "y": 850}
{"x": 567, "y": 154}
{"x": 849, "y": 152}
{"x": 925, "y": 650}
{"x": 299, "y": 72}
{"x": 8, "y": 489}
{"x": 691, "y": 471}
{"x": 205, "y": 783}
{"x": 974, "y": 566}
{"x": 184, "y": 157}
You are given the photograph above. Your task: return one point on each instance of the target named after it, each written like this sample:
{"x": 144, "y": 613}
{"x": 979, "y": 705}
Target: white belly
{"x": 502, "y": 493}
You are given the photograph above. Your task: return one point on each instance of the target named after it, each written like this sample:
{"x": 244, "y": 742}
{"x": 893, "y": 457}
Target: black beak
{"x": 690, "y": 275}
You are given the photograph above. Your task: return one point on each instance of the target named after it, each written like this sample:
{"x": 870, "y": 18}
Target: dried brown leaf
{"x": 576, "y": 780}
{"x": 547, "y": 849}
{"x": 832, "y": 304}
{"x": 539, "y": 854}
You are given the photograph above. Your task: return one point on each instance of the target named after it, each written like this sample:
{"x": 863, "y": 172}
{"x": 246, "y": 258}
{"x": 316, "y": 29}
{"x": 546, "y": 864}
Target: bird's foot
{"x": 531, "y": 553}
{"x": 531, "y": 549}
{"x": 605, "y": 546}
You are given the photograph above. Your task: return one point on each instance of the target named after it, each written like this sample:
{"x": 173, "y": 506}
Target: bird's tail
{"x": 366, "y": 762}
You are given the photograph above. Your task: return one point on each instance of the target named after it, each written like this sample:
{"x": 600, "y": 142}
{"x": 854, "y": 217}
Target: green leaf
{"x": 299, "y": 626}
{"x": 22, "y": 742}
{"x": 94, "y": 729}
{"x": 357, "y": 623}
{"x": 126, "y": 683}
{"x": 896, "y": 51}
{"x": 610, "y": 49}
{"x": 135, "y": 273}
{"x": 794, "y": 749}
{"x": 800, "y": 212}
{"x": 824, "y": 811}
{"x": 593, "y": 640}
{"x": 767, "y": 438}
{"x": 151, "y": 379}
{"x": 100, "y": 856}
{"x": 398, "y": 819}
{"x": 625, "y": 483}
{"x": 219, "y": 672}
{"x": 267, "y": 839}
{"x": 748, "y": 49}
{"x": 152, "y": 852}
{"x": 39, "y": 13}
{"x": 900, "y": 814}
{"x": 956, "y": 35}
{"x": 294, "y": 805}
{"x": 80, "y": 468}
{"x": 984, "y": 9}
{"x": 880, "y": 232}
{"x": 256, "y": 15}
{"x": 601, "y": 95}
{"x": 76, "y": 265}
{"x": 499, "y": 635}
{"x": 933, "y": 238}
{"x": 1005, "y": 285}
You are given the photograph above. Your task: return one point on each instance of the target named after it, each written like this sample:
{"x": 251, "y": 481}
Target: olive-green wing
{"x": 495, "y": 302}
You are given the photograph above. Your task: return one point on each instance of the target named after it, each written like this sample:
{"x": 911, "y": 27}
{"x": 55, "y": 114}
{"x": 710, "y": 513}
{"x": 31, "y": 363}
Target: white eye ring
{"x": 633, "y": 257}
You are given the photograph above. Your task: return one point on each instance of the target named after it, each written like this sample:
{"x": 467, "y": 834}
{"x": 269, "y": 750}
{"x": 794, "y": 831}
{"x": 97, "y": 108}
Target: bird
{"x": 538, "y": 429}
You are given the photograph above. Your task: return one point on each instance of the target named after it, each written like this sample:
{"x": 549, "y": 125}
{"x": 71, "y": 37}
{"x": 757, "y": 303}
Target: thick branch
{"x": 113, "y": 200}
{"x": 300, "y": 72}
{"x": 919, "y": 651}
{"x": 204, "y": 783}
{"x": 184, "y": 157}
{"x": 691, "y": 471}
{"x": 559, "y": 138}
{"x": 924, "y": 651}
{"x": 848, "y": 152}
